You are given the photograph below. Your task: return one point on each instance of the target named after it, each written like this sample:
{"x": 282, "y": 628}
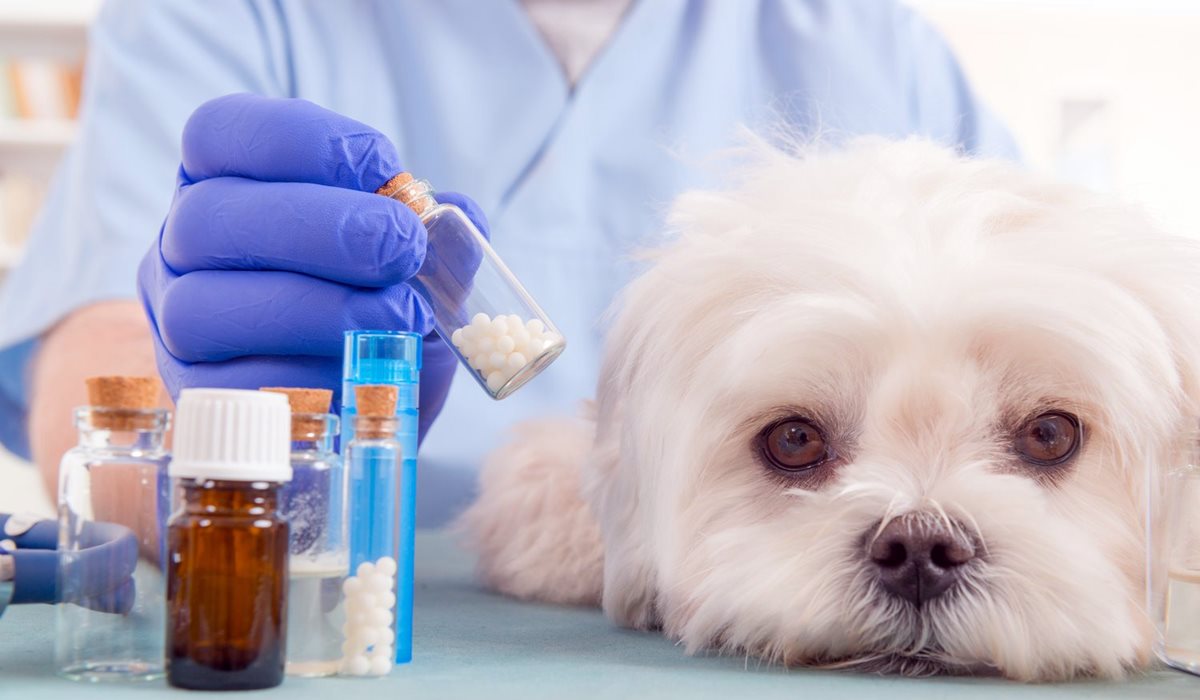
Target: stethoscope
{"x": 100, "y": 572}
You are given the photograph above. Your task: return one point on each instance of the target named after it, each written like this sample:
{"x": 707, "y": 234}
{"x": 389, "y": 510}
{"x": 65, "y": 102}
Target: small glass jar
{"x": 110, "y": 622}
{"x": 480, "y": 308}
{"x": 314, "y": 504}
{"x": 1174, "y": 563}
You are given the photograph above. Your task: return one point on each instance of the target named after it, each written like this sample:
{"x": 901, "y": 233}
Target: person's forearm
{"x": 101, "y": 339}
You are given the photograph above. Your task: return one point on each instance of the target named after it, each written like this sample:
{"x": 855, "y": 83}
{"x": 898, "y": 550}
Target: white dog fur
{"x": 920, "y": 305}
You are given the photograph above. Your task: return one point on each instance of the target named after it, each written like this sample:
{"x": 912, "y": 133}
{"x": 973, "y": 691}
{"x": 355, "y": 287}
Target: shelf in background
{"x": 53, "y": 29}
{"x": 33, "y": 145}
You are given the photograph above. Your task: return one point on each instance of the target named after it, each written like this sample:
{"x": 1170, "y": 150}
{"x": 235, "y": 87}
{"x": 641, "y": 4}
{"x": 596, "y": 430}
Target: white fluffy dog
{"x": 881, "y": 407}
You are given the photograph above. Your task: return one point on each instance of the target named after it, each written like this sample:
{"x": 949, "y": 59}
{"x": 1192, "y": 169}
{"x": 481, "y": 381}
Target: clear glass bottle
{"x": 227, "y": 576}
{"x": 314, "y": 504}
{"x": 378, "y": 627}
{"x": 480, "y": 308}
{"x": 110, "y": 624}
{"x": 1174, "y": 563}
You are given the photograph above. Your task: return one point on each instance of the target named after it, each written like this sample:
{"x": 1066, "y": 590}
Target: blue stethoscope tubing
{"x": 98, "y": 576}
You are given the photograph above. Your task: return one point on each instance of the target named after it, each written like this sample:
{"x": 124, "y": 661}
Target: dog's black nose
{"x": 918, "y": 557}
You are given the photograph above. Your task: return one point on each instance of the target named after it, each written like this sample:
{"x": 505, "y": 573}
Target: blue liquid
{"x": 385, "y": 529}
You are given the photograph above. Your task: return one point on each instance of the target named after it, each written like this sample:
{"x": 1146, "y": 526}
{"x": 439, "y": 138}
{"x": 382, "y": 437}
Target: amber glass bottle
{"x": 228, "y": 591}
{"x": 227, "y": 574}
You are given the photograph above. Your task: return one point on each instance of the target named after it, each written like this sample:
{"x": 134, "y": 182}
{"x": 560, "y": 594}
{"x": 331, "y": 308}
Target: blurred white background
{"x": 1104, "y": 93}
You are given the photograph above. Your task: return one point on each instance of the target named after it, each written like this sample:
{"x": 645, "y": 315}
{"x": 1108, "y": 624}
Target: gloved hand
{"x": 275, "y": 244}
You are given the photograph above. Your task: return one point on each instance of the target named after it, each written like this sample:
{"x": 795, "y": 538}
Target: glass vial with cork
{"x": 378, "y": 627}
{"x": 314, "y": 504}
{"x": 1174, "y": 557}
{"x": 480, "y": 308}
{"x": 227, "y": 571}
{"x": 110, "y": 623}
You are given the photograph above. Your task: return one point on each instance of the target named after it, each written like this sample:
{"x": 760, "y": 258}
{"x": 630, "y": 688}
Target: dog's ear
{"x": 1163, "y": 273}
{"x": 621, "y": 478}
{"x": 645, "y": 368}
{"x": 612, "y": 483}
{"x": 1168, "y": 281}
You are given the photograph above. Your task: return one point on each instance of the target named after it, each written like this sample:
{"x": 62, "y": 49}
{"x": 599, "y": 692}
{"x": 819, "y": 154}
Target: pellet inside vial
{"x": 497, "y": 348}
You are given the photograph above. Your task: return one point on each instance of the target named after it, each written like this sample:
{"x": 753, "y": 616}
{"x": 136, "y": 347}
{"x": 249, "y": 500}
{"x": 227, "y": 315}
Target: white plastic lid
{"x": 232, "y": 435}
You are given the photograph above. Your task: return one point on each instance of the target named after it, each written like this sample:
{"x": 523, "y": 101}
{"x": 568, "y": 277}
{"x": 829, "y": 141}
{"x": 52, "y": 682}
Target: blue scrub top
{"x": 572, "y": 179}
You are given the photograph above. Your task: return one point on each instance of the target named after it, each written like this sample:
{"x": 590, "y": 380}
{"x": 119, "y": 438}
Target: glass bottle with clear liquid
{"x": 314, "y": 504}
{"x": 1174, "y": 559}
{"x": 110, "y": 624}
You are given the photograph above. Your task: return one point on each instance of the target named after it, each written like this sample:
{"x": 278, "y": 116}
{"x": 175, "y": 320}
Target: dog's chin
{"x": 913, "y": 647}
{"x": 919, "y": 665}
{"x": 910, "y": 647}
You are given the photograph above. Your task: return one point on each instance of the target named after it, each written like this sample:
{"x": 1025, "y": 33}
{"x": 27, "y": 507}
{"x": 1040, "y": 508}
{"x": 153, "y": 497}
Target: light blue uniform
{"x": 572, "y": 180}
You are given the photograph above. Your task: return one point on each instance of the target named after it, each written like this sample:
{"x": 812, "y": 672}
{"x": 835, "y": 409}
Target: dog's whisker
{"x": 946, "y": 521}
{"x": 975, "y": 531}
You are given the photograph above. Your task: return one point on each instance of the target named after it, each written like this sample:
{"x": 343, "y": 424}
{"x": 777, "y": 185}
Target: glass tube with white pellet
{"x": 378, "y": 594}
{"x": 480, "y": 308}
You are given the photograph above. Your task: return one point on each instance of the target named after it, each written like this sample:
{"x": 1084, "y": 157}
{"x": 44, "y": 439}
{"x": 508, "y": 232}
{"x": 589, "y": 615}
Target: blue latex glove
{"x": 275, "y": 244}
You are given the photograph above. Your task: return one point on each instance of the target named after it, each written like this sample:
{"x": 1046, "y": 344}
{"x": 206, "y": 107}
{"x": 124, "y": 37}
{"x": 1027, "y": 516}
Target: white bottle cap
{"x": 232, "y": 435}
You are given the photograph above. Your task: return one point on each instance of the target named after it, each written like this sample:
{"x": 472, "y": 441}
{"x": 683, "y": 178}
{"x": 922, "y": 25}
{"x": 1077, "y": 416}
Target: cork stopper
{"x": 391, "y": 187}
{"x": 376, "y": 406}
{"x": 304, "y": 403}
{"x": 414, "y": 194}
{"x": 121, "y": 401}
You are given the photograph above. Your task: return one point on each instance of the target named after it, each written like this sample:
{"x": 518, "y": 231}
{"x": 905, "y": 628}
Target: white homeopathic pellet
{"x": 356, "y": 665}
{"x": 497, "y": 348}
{"x": 368, "y": 631}
{"x": 386, "y": 566}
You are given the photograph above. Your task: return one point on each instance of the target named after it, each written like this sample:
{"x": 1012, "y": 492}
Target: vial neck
{"x": 375, "y": 428}
{"x": 418, "y": 196}
{"x": 122, "y": 431}
{"x": 312, "y": 433}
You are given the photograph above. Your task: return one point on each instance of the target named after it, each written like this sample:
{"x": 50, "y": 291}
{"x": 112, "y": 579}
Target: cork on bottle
{"x": 398, "y": 188}
{"x": 376, "y": 407}
{"x": 305, "y": 402}
{"x": 120, "y": 403}
{"x": 391, "y": 187}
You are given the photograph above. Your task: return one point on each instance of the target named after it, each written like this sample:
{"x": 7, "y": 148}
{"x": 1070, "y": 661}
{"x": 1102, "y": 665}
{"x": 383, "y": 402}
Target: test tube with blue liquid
{"x": 379, "y": 442}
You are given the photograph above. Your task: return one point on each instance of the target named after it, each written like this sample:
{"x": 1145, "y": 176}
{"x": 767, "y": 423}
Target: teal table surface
{"x": 473, "y": 644}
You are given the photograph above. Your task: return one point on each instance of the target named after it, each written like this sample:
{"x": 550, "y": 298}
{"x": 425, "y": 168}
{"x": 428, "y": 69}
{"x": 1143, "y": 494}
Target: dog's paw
{"x": 535, "y": 536}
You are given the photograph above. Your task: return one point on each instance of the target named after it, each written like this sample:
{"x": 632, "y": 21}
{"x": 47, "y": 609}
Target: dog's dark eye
{"x": 1049, "y": 439}
{"x": 793, "y": 444}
